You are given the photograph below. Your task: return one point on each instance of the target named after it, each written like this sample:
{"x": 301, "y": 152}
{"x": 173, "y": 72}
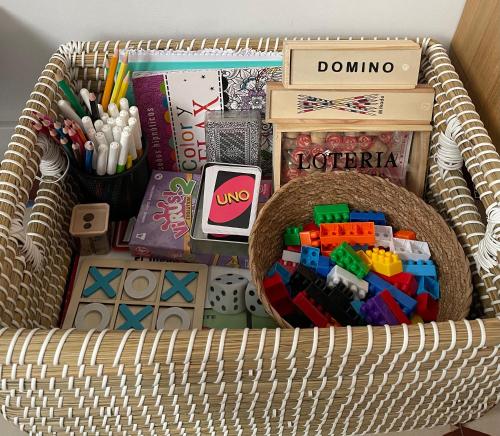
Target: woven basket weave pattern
{"x": 291, "y": 381}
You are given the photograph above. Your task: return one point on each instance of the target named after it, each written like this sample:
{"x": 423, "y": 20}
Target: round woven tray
{"x": 293, "y": 204}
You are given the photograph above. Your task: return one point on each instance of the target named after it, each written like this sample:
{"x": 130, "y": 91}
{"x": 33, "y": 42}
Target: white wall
{"x": 31, "y": 30}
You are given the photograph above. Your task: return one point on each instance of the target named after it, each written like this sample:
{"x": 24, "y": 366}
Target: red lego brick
{"x": 427, "y": 307}
{"x": 295, "y": 248}
{"x": 394, "y": 307}
{"x": 313, "y": 312}
{"x": 311, "y": 227}
{"x": 405, "y": 234}
{"x": 278, "y": 296}
{"x": 404, "y": 281}
{"x": 289, "y": 266}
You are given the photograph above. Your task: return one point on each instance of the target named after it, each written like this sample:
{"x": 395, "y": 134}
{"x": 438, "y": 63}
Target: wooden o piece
{"x": 139, "y": 294}
{"x": 173, "y": 311}
{"x": 93, "y": 307}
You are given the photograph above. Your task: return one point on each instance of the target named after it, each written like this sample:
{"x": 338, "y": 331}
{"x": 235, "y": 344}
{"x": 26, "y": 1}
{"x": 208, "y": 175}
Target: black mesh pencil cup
{"x": 123, "y": 192}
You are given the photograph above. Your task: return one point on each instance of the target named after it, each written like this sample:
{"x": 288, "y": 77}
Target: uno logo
{"x": 232, "y": 199}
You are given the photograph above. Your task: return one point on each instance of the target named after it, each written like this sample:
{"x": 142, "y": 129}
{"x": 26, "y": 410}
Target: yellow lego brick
{"x": 416, "y": 319}
{"x": 364, "y": 258}
{"x": 385, "y": 262}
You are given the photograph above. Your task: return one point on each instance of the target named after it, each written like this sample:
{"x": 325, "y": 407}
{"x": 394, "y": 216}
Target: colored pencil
{"x": 120, "y": 77}
{"x": 70, "y": 95}
{"x": 123, "y": 88}
{"x": 108, "y": 87}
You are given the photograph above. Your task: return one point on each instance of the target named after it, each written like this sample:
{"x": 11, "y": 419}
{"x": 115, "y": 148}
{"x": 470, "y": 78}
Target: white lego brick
{"x": 407, "y": 249}
{"x": 290, "y": 256}
{"x": 358, "y": 287}
{"x": 384, "y": 238}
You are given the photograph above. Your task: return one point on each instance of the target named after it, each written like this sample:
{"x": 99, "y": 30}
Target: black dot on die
{"x": 258, "y": 301}
{"x": 252, "y": 293}
{"x": 230, "y": 274}
{"x": 241, "y": 278}
{"x": 235, "y": 299}
{"x": 223, "y": 307}
{"x": 235, "y": 292}
{"x": 235, "y": 307}
{"x": 212, "y": 289}
{"x": 217, "y": 298}
{"x": 212, "y": 303}
{"x": 229, "y": 283}
{"x": 223, "y": 293}
{"x": 252, "y": 308}
{"x": 217, "y": 278}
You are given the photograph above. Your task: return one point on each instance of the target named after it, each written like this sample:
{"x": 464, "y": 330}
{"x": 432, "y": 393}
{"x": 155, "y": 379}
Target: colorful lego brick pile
{"x": 348, "y": 267}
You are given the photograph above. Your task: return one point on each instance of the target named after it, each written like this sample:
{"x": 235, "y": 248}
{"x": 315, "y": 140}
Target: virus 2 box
{"x": 163, "y": 223}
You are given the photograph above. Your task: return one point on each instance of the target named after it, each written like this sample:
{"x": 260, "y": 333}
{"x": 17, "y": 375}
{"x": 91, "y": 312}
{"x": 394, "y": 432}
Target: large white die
{"x": 226, "y": 293}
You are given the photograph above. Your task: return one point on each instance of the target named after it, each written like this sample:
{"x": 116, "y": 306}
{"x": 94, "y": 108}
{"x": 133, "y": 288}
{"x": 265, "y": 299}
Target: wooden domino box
{"x": 120, "y": 294}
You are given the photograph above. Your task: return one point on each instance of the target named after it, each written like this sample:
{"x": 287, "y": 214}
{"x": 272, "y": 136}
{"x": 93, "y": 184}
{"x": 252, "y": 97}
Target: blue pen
{"x": 89, "y": 151}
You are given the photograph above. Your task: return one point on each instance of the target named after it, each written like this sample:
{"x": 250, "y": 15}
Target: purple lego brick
{"x": 376, "y": 312}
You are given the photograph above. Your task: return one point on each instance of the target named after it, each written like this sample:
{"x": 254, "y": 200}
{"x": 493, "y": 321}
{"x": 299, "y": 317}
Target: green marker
{"x": 70, "y": 95}
{"x": 122, "y": 158}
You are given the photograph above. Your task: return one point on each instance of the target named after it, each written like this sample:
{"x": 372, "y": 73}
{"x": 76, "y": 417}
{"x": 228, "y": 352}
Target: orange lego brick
{"x": 405, "y": 234}
{"x": 310, "y": 238}
{"x": 364, "y": 258}
{"x": 352, "y": 233}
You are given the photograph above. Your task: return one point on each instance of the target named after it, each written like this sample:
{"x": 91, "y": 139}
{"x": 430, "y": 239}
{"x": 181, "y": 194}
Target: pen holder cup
{"x": 123, "y": 192}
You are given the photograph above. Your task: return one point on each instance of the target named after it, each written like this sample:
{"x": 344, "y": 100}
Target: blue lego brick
{"x": 324, "y": 266}
{"x": 420, "y": 268}
{"x": 378, "y": 218}
{"x": 377, "y": 284}
{"x": 430, "y": 285}
{"x": 281, "y": 270}
{"x": 309, "y": 257}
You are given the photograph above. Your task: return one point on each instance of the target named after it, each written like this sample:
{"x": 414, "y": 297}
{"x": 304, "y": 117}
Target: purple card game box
{"x": 162, "y": 227}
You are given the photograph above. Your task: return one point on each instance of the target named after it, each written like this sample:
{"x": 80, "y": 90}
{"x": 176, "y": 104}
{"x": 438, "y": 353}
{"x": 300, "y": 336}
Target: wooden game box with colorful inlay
{"x": 120, "y": 294}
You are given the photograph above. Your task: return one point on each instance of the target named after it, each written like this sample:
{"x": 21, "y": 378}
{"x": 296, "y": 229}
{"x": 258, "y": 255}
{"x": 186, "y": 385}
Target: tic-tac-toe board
{"x": 120, "y": 294}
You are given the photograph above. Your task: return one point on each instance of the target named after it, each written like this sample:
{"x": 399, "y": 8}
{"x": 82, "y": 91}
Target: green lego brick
{"x": 331, "y": 213}
{"x": 216, "y": 320}
{"x": 261, "y": 322}
{"x": 291, "y": 235}
{"x": 348, "y": 259}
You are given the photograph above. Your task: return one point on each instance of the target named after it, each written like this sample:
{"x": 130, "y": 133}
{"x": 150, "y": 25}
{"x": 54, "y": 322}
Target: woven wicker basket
{"x": 290, "y": 381}
{"x": 293, "y": 205}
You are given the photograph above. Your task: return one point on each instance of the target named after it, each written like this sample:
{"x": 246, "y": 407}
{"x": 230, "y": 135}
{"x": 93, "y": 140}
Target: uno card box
{"x": 164, "y": 220}
{"x": 230, "y": 198}
{"x": 223, "y": 220}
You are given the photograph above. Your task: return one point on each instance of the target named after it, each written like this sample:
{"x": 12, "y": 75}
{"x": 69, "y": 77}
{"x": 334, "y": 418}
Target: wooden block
{"x": 362, "y": 107}
{"x": 89, "y": 223}
{"x": 351, "y": 64}
{"x": 121, "y": 294}
{"x": 417, "y": 160}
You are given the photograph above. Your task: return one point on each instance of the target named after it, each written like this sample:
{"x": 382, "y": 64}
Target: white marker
{"x": 98, "y": 125}
{"x": 102, "y": 160}
{"x": 127, "y": 140}
{"x": 114, "y": 151}
{"x": 117, "y": 133}
{"x": 124, "y": 106}
{"x": 68, "y": 112}
{"x": 113, "y": 110}
{"x": 106, "y": 129}
{"x": 85, "y": 94}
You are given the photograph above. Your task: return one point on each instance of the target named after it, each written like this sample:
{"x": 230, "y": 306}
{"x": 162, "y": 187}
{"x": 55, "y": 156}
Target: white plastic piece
{"x": 176, "y": 312}
{"x": 358, "y": 287}
{"x": 290, "y": 256}
{"x": 411, "y": 250}
{"x": 384, "y": 238}
{"x": 100, "y": 308}
{"x": 139, "y": 294}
